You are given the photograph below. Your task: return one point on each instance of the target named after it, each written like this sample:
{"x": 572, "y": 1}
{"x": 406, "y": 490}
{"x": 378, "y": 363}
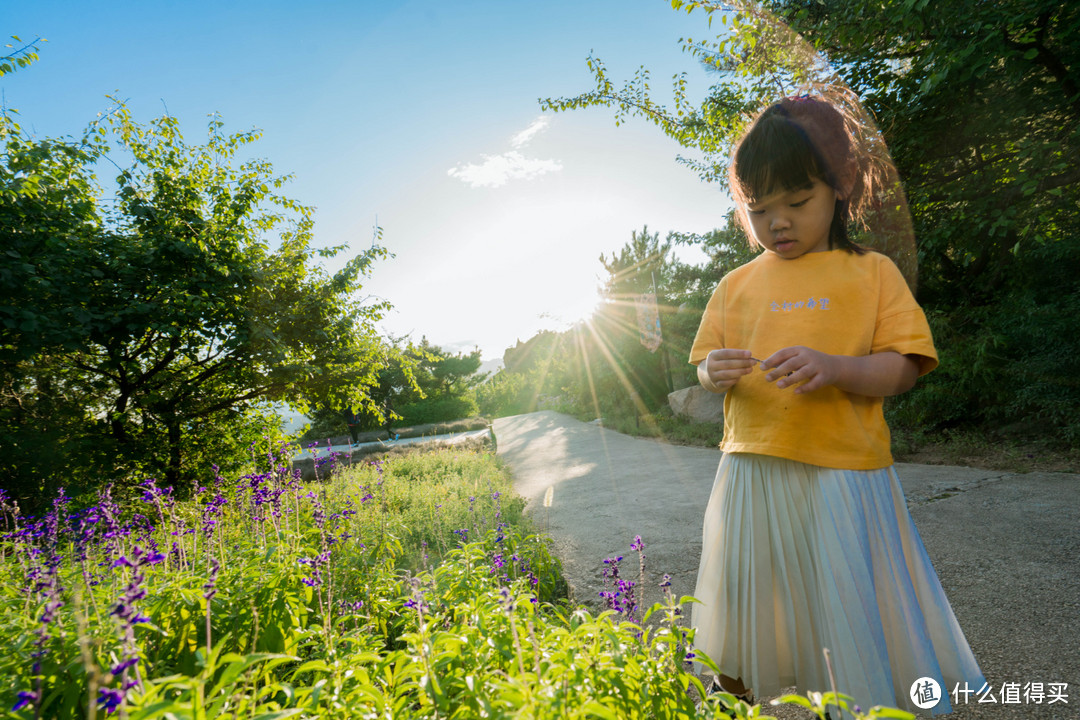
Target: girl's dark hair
{"x": 790, "y": 145}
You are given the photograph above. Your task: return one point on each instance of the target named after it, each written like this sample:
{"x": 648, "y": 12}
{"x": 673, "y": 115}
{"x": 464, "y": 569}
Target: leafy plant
{"x": 266, "y": 597}
{"x": 143, "y": 330}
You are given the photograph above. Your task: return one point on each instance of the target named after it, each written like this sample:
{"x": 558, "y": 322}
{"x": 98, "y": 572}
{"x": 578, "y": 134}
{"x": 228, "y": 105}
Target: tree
{"x": 19, "y": 57}
{"x": 419, "y": 384}
{"x": 444, "y": 386}
{"x": 153, "y": 323}
{"x": 980, "y": 106}
{"x": 630, "y": 370}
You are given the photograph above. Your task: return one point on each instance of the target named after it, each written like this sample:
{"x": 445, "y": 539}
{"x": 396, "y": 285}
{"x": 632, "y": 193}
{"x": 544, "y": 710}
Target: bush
{"x": 267, "y": 597}
{"x": 439, "y": 409}
{"x": 507, "y": 393}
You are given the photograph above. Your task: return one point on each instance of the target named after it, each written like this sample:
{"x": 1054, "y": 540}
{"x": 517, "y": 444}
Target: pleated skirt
{"x": 796, "y": 558}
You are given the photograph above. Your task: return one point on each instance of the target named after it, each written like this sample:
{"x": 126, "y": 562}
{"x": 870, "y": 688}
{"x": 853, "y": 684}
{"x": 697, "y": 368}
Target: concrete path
{"x": 1006, "y": 546}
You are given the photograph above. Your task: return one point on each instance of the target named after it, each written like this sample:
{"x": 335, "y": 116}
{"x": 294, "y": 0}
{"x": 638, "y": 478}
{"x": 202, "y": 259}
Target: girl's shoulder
{"x": 865, "y": 259}
{"x": 882, "y": 264}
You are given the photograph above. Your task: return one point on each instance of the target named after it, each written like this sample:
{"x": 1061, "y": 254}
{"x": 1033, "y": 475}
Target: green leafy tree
{"x": 418, "y": 384}
{"x": 623, "y": 370}
{"x": 444, "y": 386}
{"x": 980, "y": 106}
{"x": 19, "y": 55}
{"x": 536, "y": 352}
{"x": 151, "y": 325}
{"x": 533, "y": 376}
{"x": 508, "y": 393}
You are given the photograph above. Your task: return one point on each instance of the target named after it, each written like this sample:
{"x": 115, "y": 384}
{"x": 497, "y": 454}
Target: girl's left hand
{"x": 798, "y": 364}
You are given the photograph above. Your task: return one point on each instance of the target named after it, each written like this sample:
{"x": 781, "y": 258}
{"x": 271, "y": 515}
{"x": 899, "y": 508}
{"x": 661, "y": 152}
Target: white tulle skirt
{"x": 796, "y": 558}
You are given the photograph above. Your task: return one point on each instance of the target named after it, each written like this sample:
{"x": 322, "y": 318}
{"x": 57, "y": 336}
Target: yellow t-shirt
{"x": 836, "y": 302}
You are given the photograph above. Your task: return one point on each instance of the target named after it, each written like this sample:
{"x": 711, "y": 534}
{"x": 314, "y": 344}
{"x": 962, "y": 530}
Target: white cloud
{"x": 496, "y": 170}
{"x": 525, "y": 136}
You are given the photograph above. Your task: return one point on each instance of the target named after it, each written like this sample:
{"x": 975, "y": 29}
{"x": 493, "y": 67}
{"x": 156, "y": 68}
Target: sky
{"x": 419, "y": 116}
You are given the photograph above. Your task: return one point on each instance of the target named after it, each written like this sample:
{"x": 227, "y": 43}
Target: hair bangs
{"x": 775, "y": 156}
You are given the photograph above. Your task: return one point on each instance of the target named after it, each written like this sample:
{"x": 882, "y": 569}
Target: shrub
{"x": 435, "y": 410}
{"x": 266, "y": 597}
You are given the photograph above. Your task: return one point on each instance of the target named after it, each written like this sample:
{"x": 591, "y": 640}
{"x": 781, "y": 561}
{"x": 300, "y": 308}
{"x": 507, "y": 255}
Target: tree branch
{"x": 1014, "y": 193}
{"x": 1048, "y": 60}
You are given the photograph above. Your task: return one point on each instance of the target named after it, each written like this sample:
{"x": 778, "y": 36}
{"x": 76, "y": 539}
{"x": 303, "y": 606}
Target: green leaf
{"x": 793, "y": 700}
{"x": 311, "y": 666}
{"x": 594, "y": 708}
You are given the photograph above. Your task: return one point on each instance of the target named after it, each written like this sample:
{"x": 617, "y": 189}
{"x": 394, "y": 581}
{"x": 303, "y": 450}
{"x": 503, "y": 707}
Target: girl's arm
{"x": 877, "y": 375}
{"x": 722, "y": 368}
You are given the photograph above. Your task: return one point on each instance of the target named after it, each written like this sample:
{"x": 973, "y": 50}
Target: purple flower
{"x": 139, "y": 558}
{"x": 25, "y": 697}
{"x": 126, "y": 610}
{"x": 109, "y": 699}
{"x": 210, "y": 514}
{"x": 417, "y": 601}
{"x": 612, "y": 569}
{"x": 316, "y": 564}
{"x": 123, "y": 665}
{"x": 351, "y": 606}
{"x": 621, "y": 597}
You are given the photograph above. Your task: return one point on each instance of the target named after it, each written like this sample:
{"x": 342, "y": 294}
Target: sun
{"x": 573, "y": 308}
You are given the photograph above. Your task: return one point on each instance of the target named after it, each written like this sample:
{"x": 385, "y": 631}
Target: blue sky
{"x": 421, "y": 115}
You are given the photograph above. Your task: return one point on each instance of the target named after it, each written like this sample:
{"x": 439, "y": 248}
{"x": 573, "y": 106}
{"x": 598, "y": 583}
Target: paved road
{"x": 1006, "y": 546}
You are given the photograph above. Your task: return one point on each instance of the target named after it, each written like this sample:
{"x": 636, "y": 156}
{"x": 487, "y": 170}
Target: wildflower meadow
{"x": 410, "y": 588}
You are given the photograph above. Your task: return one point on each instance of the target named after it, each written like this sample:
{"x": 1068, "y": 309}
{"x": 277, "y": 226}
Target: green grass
{"x": 432, "y": 494}
{"x": 991, "y": 449}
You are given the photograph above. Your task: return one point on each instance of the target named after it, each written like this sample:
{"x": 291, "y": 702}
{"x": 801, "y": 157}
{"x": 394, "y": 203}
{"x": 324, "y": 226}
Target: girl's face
{"x": 792, "y": 223}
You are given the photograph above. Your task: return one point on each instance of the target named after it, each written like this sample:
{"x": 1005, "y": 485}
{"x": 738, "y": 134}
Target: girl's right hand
{"x": 722, "y": 368}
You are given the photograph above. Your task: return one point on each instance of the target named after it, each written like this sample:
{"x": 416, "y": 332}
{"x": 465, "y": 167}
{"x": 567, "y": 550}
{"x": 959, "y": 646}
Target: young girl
{"x": 807, "y": 540}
